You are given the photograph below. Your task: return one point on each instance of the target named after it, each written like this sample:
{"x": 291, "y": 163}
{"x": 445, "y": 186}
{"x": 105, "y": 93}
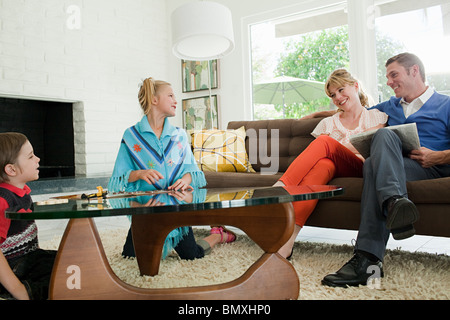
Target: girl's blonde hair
{"x": 10, "y": 145}
{"x": 149, "y": 89}
{"x": 342, "y": 77}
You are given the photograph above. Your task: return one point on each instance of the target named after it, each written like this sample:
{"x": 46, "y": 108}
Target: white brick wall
{"x": 99, "y": 65}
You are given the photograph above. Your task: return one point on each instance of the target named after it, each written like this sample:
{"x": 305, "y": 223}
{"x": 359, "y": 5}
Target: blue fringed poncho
{"x": 171, "y": 155}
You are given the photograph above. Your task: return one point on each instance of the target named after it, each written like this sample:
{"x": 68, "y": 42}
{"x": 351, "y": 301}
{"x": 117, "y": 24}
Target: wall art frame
{"x": 195, "y": 75}
{"x": 198, "y": 114}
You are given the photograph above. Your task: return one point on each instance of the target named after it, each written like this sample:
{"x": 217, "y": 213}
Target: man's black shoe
{"x": 401, "y": 214}
{"x": 355, "y": 272}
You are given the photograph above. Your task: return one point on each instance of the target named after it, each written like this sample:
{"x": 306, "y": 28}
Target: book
{"x": 407, "y": 133}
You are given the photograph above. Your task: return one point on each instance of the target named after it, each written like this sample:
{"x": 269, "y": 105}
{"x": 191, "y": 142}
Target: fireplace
{"x": 49, "y": 127}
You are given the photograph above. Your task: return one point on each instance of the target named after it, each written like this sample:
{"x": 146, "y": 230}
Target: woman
{"x": 154, "y": 155}
{"x": 331, "y": 155}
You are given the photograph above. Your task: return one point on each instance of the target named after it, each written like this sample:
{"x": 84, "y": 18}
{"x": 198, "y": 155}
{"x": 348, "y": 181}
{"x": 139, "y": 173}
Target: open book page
{"x": 407, "y": 133}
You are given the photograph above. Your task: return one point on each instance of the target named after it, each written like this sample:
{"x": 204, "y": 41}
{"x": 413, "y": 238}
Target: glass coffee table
{"x": 266, "y": 215}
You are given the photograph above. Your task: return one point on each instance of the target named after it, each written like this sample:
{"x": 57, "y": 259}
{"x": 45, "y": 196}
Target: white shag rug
{"x": 408, "y": 276}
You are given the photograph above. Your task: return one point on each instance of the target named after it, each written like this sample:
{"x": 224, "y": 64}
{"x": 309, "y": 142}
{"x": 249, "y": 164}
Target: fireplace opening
{"x": 49, "y": 127}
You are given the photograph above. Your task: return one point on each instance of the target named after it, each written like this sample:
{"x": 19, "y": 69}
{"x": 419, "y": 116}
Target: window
{"x": 304, "y": 61}
{"x": 424, "y": 32}
{"x": 310, "y": 45}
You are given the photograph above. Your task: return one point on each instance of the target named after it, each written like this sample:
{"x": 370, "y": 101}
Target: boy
{"x": 25, "y": 269}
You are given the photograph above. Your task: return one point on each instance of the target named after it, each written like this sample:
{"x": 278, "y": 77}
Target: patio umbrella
{"x": 288, "y": 90}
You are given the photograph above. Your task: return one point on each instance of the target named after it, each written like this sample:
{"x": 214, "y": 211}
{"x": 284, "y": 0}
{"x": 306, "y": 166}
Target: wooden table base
{"x": 82, "y": 270}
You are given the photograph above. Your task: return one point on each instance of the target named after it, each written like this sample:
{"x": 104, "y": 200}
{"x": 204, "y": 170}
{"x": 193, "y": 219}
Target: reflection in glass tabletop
{"x": 165, "y": 201}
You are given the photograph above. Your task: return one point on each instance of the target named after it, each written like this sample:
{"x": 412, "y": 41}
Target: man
{"x": 385, "y": 208}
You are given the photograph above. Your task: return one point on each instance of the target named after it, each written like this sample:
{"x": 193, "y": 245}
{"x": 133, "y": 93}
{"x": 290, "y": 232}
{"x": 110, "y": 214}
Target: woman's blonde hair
{"x": 10, "y": 145}
{"x": 342, "y": 77}
{"x": 149, "y": 89}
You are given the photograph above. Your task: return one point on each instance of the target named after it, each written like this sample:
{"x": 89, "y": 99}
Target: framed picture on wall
{"x": 199, "y": 113}
{"x": 195, "y": 75}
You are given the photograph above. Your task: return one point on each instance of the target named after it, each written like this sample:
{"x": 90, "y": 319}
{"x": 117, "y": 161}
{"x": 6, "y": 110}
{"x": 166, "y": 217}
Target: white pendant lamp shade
{"x": 202, "y": 31}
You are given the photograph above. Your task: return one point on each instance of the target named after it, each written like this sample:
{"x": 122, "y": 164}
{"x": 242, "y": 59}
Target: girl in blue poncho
{"x": 154, "y": 155}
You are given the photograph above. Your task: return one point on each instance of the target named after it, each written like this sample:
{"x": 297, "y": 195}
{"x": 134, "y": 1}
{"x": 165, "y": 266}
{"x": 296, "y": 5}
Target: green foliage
{"x": 315, "y": 55}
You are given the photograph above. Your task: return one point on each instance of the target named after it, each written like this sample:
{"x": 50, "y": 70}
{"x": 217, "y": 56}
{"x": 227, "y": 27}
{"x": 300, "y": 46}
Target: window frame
{"x": 362, "y": 37}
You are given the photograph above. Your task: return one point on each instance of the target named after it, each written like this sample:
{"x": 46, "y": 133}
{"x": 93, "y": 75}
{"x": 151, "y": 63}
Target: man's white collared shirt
{"x": 416, "y": 104}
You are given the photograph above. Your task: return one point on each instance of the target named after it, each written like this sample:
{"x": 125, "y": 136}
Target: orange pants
{"x": 324, "y": 159}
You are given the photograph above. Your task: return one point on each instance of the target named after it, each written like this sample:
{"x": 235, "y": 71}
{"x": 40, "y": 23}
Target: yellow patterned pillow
{"x": 221, "y": 150}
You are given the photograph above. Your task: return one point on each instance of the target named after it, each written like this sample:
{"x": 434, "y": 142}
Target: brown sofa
{"x": 432, "y": 197}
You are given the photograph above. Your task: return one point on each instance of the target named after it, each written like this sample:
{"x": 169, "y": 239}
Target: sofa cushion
{"x": 239, "y": 179}
{"x": 352, "y": 188}
{"x": 221, "y": 150}
{"x": 433, "y": 191}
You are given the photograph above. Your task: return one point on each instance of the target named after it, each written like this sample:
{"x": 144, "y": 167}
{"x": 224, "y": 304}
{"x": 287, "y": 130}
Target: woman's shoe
{"x": 231, "y": 236}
